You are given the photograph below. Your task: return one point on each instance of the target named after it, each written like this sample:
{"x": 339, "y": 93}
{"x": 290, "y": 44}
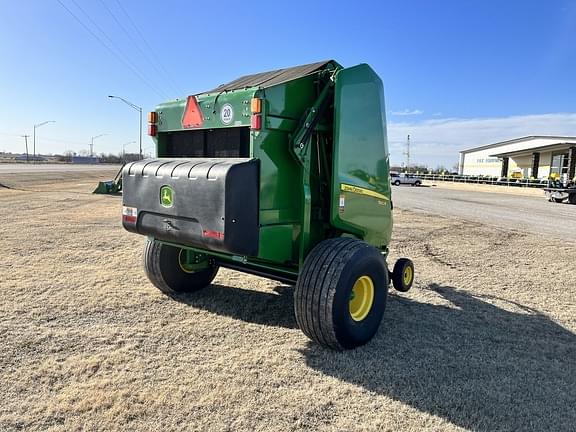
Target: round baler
{"x": 281, "y": 174}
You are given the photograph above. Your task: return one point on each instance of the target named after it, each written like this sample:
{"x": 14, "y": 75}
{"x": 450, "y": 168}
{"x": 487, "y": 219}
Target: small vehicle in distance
{"x": 560, "y": 190}
{"x": 404, "y": 178}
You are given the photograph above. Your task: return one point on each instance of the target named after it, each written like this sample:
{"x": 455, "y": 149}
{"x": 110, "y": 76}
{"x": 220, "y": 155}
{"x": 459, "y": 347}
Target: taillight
{"x": 256, "y": 106}
{"x": 192, "y": 117}
{"x": 152, "y": 120}
{"x": 256, "y": 122}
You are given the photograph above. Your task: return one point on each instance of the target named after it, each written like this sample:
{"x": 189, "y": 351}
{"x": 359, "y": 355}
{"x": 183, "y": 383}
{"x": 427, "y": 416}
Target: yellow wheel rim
{"x": 408, "y": 275}
{"x": 182, "y": 262}
{"x": 361, "y": 298}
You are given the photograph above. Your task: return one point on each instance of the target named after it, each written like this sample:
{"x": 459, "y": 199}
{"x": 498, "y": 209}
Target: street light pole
{"x": 137, "y": 108}
{"x": 124, "y": 150}
{"x": 92, "y": 143}
{"x": 34, "y": 134}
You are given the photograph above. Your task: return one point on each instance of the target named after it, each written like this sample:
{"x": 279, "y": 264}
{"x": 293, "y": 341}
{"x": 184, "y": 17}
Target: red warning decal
{"x": 213, "y": 234}
{"x": 192, "y": 117}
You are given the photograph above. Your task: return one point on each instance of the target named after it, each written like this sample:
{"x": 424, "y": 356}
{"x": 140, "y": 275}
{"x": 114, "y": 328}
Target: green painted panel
{"x": 235, "y": 103}
{"x": 276, "y": 243}
{"x": 361, "y": 157}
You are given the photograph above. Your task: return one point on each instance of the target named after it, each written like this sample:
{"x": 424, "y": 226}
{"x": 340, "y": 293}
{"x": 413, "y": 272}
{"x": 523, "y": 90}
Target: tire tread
{"x": 316, "y": 287}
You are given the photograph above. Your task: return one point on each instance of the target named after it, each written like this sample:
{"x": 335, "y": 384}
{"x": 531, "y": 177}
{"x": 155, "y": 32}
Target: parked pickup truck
{"x": 402, "y": 178}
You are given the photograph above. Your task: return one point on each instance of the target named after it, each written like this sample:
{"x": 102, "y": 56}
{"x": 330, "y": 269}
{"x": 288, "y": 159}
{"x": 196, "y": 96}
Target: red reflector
{"x": 129, "y": 219}
{"x": 129, "y": 214}
{"x": 152, "y": 129}
{"x": 213, "y": 234}
{"x": 192, "y": 117}
{"x": 256, "y": 122}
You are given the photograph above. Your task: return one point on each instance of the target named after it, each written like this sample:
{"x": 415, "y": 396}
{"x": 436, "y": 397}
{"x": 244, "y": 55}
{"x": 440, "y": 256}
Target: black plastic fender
{"x": 206, "y": 203}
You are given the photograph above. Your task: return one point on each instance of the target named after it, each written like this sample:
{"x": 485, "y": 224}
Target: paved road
{"x": 34, "y": 177}
{"x": 522, "y": 213}
{"x": 14, "y": 168}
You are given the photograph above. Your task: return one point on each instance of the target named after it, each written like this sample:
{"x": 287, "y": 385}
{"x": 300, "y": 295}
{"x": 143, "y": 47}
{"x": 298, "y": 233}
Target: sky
{"x": 456, "y": 74}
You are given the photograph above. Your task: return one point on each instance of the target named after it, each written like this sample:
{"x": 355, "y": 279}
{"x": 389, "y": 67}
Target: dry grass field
{"x": 485, "y": 341}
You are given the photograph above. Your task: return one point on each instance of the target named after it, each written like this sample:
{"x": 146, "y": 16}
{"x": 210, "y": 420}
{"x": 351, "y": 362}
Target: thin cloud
{"x": 407, "y": 112}
{"x": 439, "y": 141}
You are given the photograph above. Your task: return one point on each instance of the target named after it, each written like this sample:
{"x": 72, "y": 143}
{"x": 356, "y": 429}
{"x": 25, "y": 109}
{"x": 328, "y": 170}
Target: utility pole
{"x": 407, "y": 154}
{"x": 26, "y": 141}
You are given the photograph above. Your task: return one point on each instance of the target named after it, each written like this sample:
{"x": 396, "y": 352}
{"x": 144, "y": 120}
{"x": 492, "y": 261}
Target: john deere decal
{"x": 166, "y": 196}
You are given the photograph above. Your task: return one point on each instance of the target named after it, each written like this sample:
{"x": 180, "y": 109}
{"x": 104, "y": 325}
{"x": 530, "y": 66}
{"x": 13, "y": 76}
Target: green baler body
{"x": 339, "y": 185}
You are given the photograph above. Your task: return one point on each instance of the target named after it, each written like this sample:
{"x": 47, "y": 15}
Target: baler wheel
{"x": 403, "y": 275}
{"x": 163, "y": 267}
{"x": 341, "y": 292}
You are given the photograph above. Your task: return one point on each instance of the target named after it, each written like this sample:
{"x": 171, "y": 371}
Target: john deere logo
{"x": 166, "y": 196}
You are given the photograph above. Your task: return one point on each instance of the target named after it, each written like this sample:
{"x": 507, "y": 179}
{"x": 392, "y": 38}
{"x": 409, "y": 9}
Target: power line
{"x": 116, "y": 47}
{"x": 141, "y": 36}
{"x": 144, "y": 54}
{"x": 105, "y": 45}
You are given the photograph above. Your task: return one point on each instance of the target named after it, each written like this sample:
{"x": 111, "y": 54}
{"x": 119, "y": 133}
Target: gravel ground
{"x": 484, "y": 341}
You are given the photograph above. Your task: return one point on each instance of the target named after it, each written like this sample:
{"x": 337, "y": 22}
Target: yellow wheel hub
{"x": 361, "y": 298}
{"x": 407, "y": 275}
{"x": 182, "y": 262}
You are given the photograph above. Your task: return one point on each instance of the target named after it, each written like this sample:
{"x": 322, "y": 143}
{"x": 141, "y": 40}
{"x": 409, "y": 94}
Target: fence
{"x": 528, "y": 183}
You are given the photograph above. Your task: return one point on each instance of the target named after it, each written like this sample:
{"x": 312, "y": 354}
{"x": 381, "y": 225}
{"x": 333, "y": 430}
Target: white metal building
{"x": 531, "y": 157}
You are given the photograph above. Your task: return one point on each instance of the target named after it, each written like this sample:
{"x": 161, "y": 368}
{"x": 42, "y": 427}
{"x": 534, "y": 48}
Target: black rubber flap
{"x": 271, "y": 78}
{"x": 206, "y": 203}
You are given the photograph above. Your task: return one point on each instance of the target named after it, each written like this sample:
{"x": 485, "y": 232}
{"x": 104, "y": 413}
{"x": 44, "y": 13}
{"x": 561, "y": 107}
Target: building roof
{"x": 271, "y": 78}
{"x": 548, "y": 147}
{"x": 515, "y": 140}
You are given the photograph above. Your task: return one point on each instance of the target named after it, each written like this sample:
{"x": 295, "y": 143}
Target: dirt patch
{"x": 484, "y": 341}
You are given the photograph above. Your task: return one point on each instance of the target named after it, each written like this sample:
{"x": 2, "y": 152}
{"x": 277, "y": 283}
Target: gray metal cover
{"x": 271, "y": 78}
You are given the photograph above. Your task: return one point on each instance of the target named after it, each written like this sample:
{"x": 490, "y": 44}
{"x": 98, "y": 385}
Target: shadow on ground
{"x": 274, "y": 308}
{"x": 474, "y": 364}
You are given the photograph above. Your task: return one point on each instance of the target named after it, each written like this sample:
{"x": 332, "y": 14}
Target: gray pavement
{"x": 14, "y": 168}
{"x": 521, "y": 213}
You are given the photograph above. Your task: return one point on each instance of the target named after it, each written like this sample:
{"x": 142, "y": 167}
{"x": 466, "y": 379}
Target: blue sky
{"x": 456, "y": 73}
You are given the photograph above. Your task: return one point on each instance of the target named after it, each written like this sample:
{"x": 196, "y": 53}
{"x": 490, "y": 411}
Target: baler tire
{"x": 323, "y": 294}
{"x": 400, "y": 279}
{"x": 162, "y": 266}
